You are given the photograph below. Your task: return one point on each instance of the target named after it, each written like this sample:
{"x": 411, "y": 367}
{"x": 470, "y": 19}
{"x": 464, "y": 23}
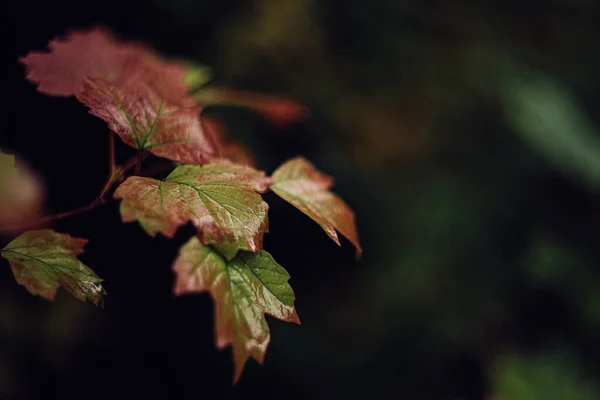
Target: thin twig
{"x": 111, "y": 152}
{"x": 138, "y": 164}
{"x": 114, "y": 177}
{"x": 54, "y": 217}
{"x": 132, "y": 162}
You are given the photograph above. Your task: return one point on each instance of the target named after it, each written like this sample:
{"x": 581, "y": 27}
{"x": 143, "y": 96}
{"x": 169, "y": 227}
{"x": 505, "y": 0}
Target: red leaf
{"x": 299, "y": 183}
{"x": 97, "y": 54}
{"x": 142, "y": 97}
{"x": 93, "y": 53}
{"x": 146, "y": 121}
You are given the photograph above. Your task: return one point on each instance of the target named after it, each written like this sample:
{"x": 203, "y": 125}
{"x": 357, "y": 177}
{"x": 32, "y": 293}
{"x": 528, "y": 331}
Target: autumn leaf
{"x": 244, "y": 289}
{"x": 146, "y": 121}
{"x": 279, "y": 111}
{"x": 92, "y": 53}
{"x": 97, "y": 54}
{"x": 221, "y": 199}
{"x": 21, "y": 193}
{"x": 299, "y": 183}
{"x": 44, "y": 260}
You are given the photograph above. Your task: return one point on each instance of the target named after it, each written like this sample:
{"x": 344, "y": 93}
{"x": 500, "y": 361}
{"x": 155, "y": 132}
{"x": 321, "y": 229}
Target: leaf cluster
{"x": 154, "y": 105}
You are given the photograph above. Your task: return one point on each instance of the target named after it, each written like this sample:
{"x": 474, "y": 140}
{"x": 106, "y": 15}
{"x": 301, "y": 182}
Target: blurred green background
{"x": 465, "y": 135}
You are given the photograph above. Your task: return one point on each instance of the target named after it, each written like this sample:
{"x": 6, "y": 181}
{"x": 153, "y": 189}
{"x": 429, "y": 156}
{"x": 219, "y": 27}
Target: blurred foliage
{"x": 550, "y": 376}
{"x": 463, "y": 133}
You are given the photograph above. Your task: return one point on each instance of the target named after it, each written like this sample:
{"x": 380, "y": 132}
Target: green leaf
{"x": 244, "y": 289}
{"x": 221, "y": 199}
{"x": 196, "y": 76}
{"x": 551, "y": 375}
{"x": 546, "y": 115}
{"x": 44, "y": 260}
{"x": 299, "y": 183}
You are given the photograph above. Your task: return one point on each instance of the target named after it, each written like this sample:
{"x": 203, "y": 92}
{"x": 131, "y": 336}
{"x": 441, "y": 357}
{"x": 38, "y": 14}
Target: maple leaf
{"x": 20, "y": 193}
{"x": 244, "y": 289}
{"x": 97, "y": 54}
{"x": 147, "y": 121}
{"x": 221, "y": 199}
{"x": 298, "y": 182}
{"x": 44, "y": 260}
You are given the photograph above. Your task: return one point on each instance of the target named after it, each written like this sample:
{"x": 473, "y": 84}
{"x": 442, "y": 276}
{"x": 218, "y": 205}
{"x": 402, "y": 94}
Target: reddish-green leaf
{"x": 244, "y": 289}
{"x": 44, "y": 260}
{"x": 97, "y": 54}
{"x": 299, "y": 183}
{"x": 221, "y": 199}
{"x": 21, "y": 193}
{"x": 146, "y": 121}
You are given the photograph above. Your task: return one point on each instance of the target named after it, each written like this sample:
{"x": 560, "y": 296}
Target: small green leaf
{"x": 244, "y": 289}
{"x": 221, "y": 199}
{"x": 299, "y": 183}
{"x": 196, "y": 76}
{"x": 44, "y": 260}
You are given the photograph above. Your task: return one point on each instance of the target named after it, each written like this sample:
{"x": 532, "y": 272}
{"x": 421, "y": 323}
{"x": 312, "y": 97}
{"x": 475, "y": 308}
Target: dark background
{"x": 464, "y": 135}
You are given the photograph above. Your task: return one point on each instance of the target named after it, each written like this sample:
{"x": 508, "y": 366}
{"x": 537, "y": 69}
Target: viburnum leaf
{"x": 298, "y": 182}
{"x": 244, "y": 289}
{"x": 21, "y": 193}
{"x": 146, "y": 121}
{"x": 44, "y": 260}
{"x": 97, "y": 54}
{"x": 221, "y": 199}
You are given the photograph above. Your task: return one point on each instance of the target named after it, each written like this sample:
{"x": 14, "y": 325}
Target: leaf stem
{"x": 111, "y": 152}
{"x": 138, "y": 162}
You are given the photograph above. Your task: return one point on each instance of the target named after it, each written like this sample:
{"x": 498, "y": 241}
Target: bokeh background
{"x": 465, "y": 134}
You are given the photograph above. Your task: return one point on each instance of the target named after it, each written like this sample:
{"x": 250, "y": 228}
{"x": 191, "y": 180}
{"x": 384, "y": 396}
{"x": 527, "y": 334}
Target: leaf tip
{"x": 295, "y": 318}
